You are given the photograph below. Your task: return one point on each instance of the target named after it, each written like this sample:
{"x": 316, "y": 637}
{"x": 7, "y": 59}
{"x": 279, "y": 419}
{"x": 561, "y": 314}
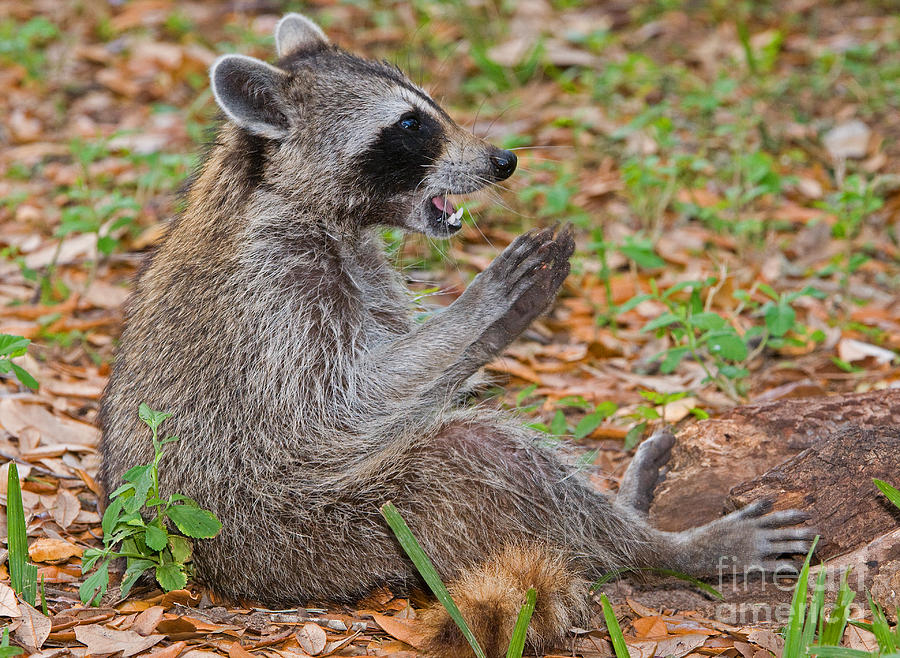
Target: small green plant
{"x": 5, "y": 649}
{"x": 137, "y": 518}
{"x": 10, "y": 348}
{"x": 712, "y": 340}
{"x": 420, "y": 559}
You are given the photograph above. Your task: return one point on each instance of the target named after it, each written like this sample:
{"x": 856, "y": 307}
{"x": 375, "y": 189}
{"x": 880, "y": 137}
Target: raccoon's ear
{"x": 247, "y": 90}
{"x": 295, "y": 32}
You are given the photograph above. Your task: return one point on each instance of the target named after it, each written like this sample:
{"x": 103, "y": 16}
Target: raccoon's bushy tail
{"x": 490, "y": 596}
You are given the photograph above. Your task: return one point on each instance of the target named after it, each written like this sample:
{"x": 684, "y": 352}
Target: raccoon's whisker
{"x": 541, "y": 147}
{"x": 496, "y": 118}
{"x": 478, "y": 228}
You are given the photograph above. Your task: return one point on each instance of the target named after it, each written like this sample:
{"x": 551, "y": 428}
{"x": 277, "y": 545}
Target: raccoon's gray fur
{"x": 271, "y": 325}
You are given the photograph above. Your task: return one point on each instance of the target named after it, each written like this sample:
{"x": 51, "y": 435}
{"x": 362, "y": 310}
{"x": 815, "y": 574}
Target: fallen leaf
{"x": 9, "y": 606}
{"x": 848, "y": 140}
{"x": 650, "y": 627}
{"x": 66, "y": 509}
{"x": 171, "y": 651}
{"x": 312, "y": 638}
{"x": 16, "y": 415}
{"x": 146, "y": 621}
{"x": 47, "y": 549}
{"x": 403, "y": 630}
{"x": 33, "y": 629}
{"x": 851, "y": 350}
{"x": 237, "y": 651}
{"x": 100, "y": 640}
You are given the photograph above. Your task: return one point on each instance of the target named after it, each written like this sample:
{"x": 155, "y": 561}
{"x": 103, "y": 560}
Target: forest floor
{"x": 732, "y": 170}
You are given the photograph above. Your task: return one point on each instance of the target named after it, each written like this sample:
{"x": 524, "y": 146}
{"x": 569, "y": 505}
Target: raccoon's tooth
{"x": 456, "y": 218}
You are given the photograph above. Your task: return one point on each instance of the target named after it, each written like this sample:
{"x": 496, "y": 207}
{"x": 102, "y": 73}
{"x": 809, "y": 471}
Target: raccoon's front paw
{"x": 752, "y": 539}
{"x": 643, "y": 473}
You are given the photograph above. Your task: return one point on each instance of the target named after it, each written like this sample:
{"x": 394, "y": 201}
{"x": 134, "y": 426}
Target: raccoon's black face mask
{"x": 392, "y": 155}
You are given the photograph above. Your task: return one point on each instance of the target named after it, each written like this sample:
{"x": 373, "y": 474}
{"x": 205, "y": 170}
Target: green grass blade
{"x": 815, "y": 612}
{"x": 834, "y": 628}
{"x": 429, "y": 573}
{"x": 793, "y": 636}
{"x": 517, "y": 643}
{"x": 17, "y": 540}
{"x": 613, "y": 628}
{"x": 881, "y": 628}
{"x": 839, "y": 652}
{"x": 892, "y": 493}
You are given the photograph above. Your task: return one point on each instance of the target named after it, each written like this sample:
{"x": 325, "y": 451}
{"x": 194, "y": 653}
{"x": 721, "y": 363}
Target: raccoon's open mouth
{"x": 443, "y": 217}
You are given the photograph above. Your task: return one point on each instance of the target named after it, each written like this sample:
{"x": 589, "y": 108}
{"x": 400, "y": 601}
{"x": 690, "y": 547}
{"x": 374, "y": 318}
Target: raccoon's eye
{"x": 409, "y": 122}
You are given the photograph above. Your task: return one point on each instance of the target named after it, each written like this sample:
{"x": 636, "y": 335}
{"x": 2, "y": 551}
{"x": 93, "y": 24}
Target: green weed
{"x": 138, "y": 519}
{"x": 10, "y": 348}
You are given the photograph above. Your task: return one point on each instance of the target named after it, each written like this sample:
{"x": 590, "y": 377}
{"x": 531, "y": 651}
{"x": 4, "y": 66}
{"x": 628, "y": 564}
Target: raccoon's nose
{"x": 504, "y": 164}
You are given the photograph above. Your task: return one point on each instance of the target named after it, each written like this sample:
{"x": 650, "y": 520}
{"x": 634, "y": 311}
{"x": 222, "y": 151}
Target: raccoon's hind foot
{"x": 751, "y": 540}
{"x": 643, "y": 473}
{"x": 490, "y": 596}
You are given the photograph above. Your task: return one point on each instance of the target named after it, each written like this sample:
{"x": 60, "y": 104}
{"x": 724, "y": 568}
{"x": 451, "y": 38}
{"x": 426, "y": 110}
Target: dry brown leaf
{"x": 650, "y": 627}
{"x": 861, "y": 639}
{"x": 513, "y": 367}
{"x": 46, "y": 549}
{"x": 235, "y": 650}
{"x": 100, "y": 640}
{"x": 767, "y": 640}
{"x": 312, "y": 638}
{"x": 9, "y": 605}
{"x": 172, "y": 651}
{"x": 16, "y": 415}
{"x": 33, "y": 629}
{"x": 403, "y": 630}
{"x": 145, "y": 623}
{"x": 66, "y": 508}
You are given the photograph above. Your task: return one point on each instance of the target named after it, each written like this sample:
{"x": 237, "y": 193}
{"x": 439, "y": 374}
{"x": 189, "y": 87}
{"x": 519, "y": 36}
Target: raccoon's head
{"x": 355, "y": 130}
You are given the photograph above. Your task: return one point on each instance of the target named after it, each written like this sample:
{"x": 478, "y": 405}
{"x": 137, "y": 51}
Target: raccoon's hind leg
{"x": 642, "y": 474}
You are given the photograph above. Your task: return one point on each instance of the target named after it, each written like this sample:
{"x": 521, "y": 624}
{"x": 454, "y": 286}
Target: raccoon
{"x": 270, "y": 323}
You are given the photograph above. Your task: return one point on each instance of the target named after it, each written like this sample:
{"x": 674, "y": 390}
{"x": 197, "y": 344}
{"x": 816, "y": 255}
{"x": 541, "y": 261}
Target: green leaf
{"x": 171, "y": 576}
{"x": 663, "y": 320}
{"x": 558, "y": 425}
{"x": 633, "y": 437}
{"x": 153, "y": 418}
{"x": 517, "y": 643}
{"x": 429, "y": 574}
{"x": 17, "y": 540}
{"x": 13, "y": 345}
{"x": 708, "y": 320}
{"x": 111, "y": 517}
{"x": 525, "y": 393}
{"x": 155, "y": 537}
{"x": 726, "y": 344}
{"x": 180, "y": 548}
{"x": 612, "y": 626}
{"x": 633, "y": 303}
{"x": 25, "y": 377}
{"x": 780, "y": 319}
{"x": 142, "y": 479}
{"x": 643, "y": 255}
{"x": 892, "y": 494}
{"x": 136, "y": 568}
{"x": 673, "y": 356}
{"x": 194, "y": 522}
{"x": 89, "y": 559}
{"x": 94, "y": 587}
{"x": 588, "y": 424}
{"x": 839, "y": 652}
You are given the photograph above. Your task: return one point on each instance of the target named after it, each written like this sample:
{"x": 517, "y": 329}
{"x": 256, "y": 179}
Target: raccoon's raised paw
{"x": 536, "y": 263}
{"x": 752, "y": 539}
